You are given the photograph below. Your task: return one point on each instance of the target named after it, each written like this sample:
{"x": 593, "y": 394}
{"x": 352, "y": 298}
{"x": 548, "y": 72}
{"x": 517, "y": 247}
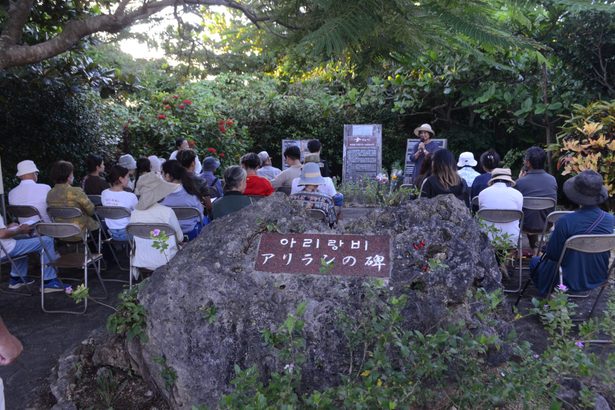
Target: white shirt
{"x": 7, "y": 244}
{"x": 500, "y": 196}
{"x": 146, "y": 256}
{"x": 328, "y": 188}
{"x": 268, "y": 172}
{"x": 197, "y": 164}
{"x": 30, "y": 193}
{"x": 118, "y": 198}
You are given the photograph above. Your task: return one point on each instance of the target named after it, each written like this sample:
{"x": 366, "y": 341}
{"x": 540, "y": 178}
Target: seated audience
{"x": 233, "y": 200}
{"x": 143, "y": 166}
{"x": 328, "y": 188}
{"x": 155, "y": 164}
{"x": 489, "y": 160}
{"x": 314, "y": 146}
{"x": 312, "y": 182}
{"x": 149, "y": 210}
{"x": 187, "y": 158}
{"x": 424, "y": 172}
{"x": 28, "y": 192}
{"x": 185, "y": 195}
{"x": 255, "y": 185}
{"x": 466, "y": 164}
{"x": 444, "y": 178}
{"x": 64, "y": 195}
{"x": 501, "y": 195}
{"x": 536, "y": 182}
{"x": 18, "y": 247}
{"x": 127, "y": 161}
{"x": 581, "y": 271}
{"x": 210, "y": 165}
{"x": 267, "y": 170}
{"x": 118, "y": 196}
{"x": 292, "y": 156}
{"x": 181, "y": 144}
{"x": 93, "y": 183}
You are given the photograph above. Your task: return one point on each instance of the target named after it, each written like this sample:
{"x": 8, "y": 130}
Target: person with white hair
{"x": 267, "y": 170}
{"x": 29, "y": 192}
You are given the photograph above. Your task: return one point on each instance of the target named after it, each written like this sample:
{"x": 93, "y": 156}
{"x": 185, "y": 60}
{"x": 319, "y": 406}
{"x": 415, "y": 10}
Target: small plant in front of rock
{"x": 167, "y": 373}
{"x": 82, "y": 293}
{"x": 209, "y": 312}
{"x": 129, "y": 318}
{"x": 325, "y": 267}
{"x": 106, "y": 386}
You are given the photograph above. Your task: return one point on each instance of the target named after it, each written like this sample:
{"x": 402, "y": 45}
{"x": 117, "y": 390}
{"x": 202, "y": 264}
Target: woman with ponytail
{"x": 186, "y": 195}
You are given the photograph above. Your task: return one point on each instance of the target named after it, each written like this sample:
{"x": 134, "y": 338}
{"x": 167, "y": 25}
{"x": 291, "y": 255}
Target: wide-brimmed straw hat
{"x": 587, "y": 188}
{"x": 424, "y": 127}
{"x": 26, "y": 167}
{"x": 501, "y": 175}
{"x": 153, "y": 189}
{"x": 310, "y": 175}
{"x": 466, "y": 159}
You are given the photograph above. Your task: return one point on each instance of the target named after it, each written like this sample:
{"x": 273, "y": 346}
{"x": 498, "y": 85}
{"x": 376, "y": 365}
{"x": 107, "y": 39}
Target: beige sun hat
{"x": 501, "y": 175}
{"x": 153, "y": 189}
{"x": 310, "y": 175}
{"x": 424, "y": 127}
{"x": 26, "y": 167}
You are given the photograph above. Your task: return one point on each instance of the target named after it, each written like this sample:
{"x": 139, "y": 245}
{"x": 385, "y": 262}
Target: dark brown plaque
{"x": 342, "y": 255}
{"x": 362, "y": 151}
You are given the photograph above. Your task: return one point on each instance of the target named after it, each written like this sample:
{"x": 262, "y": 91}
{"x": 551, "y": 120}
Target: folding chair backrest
{"x": 475, "y": 201}
{"x": 63, "y": 213}
{"x": 318, "y": 214}
{"x": 144, "y": 229}
{"x": 112, "y": 212}
{"x": 538, "y": 203}
{"x": 285, "y": 189}
{"x": 255, "y": 198}
{"x": 96, "y": 199}
{"x": 302, "y": 195}
{"x": 554, "y": 216}
{"x": 183, "y": 213}
{"x": 500, "y": 215}
{"x": 592, "y": 243}
{"x": 23, "y": 211}
{"x": 58, "y": 230}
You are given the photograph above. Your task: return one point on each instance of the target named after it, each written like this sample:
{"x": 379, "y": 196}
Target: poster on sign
{"x": 410, "y": 150}
{"x": 302, "y": 144}
{"x": 362, "y": 151}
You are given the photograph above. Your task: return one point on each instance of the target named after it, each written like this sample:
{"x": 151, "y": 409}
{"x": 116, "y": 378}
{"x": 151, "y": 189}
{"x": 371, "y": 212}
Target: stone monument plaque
{"x": 323, "y": 254}
{"x": 409, "y": 166}
{"x": 362, "y": 151}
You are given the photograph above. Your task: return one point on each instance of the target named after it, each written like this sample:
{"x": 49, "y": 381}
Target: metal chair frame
{"x": 62, "y": 230}
{"x": 96, "y": 199}
{"x": 504, "y": 216}
{"x": 552, "y": 218}
{"x": 589, "y": 243}
{"x": 187, "y": 213}
{"x": 23, "y": 211}
{"x": 11, "y": 260}
{"x": 142, "y": 230}
{"x": 285, "y": 189}
{"x": 111, "y": 212}
{"x": 537, "y": 203}
{"x": 318, "y": 214}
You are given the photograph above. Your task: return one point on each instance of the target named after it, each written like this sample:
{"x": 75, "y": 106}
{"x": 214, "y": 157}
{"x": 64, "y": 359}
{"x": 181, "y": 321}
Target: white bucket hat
{"x": 26, "y": 167}
{"x": 466, "y": 159}
{"x": 424, "y": 127}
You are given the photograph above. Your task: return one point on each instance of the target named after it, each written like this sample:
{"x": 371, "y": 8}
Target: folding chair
{"x": 285, "y": 189}
{"x": 505, "y": 216}
{"x": 75, "y": 260}
{"x": 143, "y": 230}
{"x": 536, "y": 203}
{"x": 591, "y": 243}
{"x": 474, "y": 201}
{"x": 96, "y": 199}
{"x": 111, "y": 212}
{"x": 552, "y": 218}
{"x": 301, "y": 197}
{"x": 317, "y": 214}
{"x": 184, "y": 213}
{"x": 6, "y": 259}
{"x": 23, "y": 211}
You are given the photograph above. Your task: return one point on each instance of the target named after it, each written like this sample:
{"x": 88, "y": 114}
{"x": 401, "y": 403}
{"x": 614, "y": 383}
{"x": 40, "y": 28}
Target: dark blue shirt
{"x": 480, "y": 182}
{"x": 431, "y": 147}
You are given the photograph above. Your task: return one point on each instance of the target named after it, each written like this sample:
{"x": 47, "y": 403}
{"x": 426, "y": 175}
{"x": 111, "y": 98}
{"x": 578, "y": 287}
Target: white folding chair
{"x": 184, "y": 213}
{"x": 143, "y": 230}
{"x": 536, "y": 203}
{"x": 74, "y": 260}
{"x": 505, "y": 216}
{"x": 552, "y": 218}
{"x": 111, "y": 212}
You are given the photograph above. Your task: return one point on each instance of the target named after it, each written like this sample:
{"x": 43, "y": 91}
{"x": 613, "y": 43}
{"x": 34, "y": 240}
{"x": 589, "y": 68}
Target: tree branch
{"x": 13, "y": 54}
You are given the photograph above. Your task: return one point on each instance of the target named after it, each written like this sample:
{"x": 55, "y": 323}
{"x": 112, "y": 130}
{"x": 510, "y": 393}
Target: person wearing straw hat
{"x": 466, "y": 169}
{"x": 29, "y": 192}
{"x": 311, "y": 182}
{"x": 422, "y": 148}
{"x": 153, "y": 190}
{"x": 581, "y": 271}
{"x": 500, "y": 194}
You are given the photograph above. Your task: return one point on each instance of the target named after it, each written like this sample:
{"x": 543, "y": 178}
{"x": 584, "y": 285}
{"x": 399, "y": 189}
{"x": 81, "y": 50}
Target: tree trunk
{"x": 548, "y": 125}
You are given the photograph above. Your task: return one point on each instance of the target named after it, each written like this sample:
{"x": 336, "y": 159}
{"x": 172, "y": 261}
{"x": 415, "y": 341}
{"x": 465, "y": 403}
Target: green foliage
{"x": 209, "y": 312}
{"x": 106, "y": 386}
{"x": 390, "y": 367}
{"x": 166, "y": 372}
{"x": 129, "y": 319}
{"x": 79, "y": 294}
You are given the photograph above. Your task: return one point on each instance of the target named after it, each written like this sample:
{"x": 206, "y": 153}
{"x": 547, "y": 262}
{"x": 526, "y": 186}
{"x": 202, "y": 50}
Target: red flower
{"x": 181, "y": 106}
{"x": 419, "y": 245}
{"x": 229, "y": 122}
{"x": 212, "y": 150}
{"x": 161, "y": 116}
{"x": 222, "y": 126}
{"x": 167, "y": 107}
{"x": 176, "y": 97}
{"x": 187, "y": 102}
{"x": 425, "y": 268}
{"x": 221, "y": 155}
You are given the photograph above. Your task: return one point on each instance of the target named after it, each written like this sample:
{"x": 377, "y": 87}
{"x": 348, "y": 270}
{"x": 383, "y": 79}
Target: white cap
{"x": 26, "y": 167}
{"x": 466, "y": 159}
